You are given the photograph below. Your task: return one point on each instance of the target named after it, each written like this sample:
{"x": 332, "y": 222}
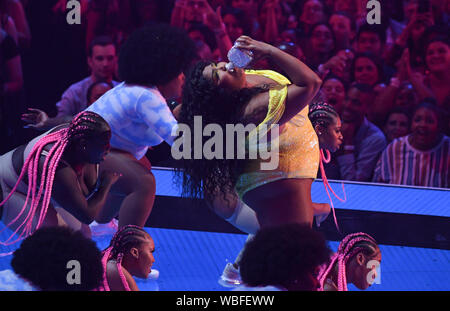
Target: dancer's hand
{"x": 321, "y": 211}
{"x": 259, "y": 49}
{"x": 35, "y": 118}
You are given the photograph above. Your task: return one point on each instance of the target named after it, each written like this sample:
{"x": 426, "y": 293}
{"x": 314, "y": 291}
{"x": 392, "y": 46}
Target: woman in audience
{"x": 396, "y": 124}
{"x": 421, "y": 158}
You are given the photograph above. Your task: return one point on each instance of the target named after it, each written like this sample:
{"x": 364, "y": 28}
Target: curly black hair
{"x": 42, "y": 259}
{"x": 155, "y": 55}
{"x": 218, "y": 105}
{"x": 285, "y": 256}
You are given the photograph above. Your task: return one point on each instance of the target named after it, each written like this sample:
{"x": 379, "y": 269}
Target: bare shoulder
{"x": 114, "y": 280}
{"x": 113, "y": 276}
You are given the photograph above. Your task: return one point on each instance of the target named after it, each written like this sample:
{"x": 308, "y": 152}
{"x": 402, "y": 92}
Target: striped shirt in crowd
{"x": 400, "y": 163}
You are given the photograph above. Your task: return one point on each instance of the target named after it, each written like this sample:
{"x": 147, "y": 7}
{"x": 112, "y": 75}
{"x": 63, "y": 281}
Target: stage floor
{"x": 193, "y": 244}
{"x": 193, "y": 261}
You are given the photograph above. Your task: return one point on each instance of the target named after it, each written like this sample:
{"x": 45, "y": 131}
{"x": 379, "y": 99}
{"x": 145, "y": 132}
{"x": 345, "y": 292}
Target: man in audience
{"x": 102, "y": 62}
{"x": 363, "y": 141}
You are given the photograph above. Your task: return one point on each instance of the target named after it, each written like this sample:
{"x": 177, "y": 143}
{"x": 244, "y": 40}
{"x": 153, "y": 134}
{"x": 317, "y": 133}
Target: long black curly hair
{"x": 218, "y": 105}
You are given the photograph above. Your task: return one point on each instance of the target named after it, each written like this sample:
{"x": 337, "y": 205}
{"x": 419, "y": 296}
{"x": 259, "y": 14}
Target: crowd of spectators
{"x": 388, "y": 81}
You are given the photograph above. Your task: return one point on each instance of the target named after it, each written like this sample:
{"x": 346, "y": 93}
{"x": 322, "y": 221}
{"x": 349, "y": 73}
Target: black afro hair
{"x": 155, "y": 55}
{"x": 280, "y": 255}
{"x": 43, "y": 258}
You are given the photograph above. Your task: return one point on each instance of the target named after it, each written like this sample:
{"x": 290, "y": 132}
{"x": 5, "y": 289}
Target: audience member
{"x": 311, "y": 13}
{"x": 344, "y": 29}
{"x": 321, "y": 45}
{"x": 367, "y": 69}
{"x": 102, "y": 61}
{"x": 13, "y": 15}
{"x": 421, "y": 158}
{"x": 47, "y": 259}
{"x": 363, "y": 141}
{"x": 371, "y": 38}
{"x": 119, "y": 18}
{"x": 334, "y": 90}
{"x": 397, "y": 124}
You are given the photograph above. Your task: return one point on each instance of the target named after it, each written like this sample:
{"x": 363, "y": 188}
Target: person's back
{"x": 148, "y": 118}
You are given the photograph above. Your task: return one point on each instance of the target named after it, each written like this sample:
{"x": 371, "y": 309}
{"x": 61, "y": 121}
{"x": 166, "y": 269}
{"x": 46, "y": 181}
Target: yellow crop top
{"x": 298, "y": 146}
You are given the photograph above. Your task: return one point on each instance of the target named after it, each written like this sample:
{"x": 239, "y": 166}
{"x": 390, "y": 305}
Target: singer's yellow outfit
{"x": 298, "y": 146}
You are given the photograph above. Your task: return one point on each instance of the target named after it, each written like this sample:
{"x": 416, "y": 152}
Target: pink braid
{"x": 327, "y": 184}
{"x": 346, "y": 250}
{"x": 114, "y": 250}
{"x": 31, "y": 165}
{"x": 121, "y": 275}
{"x": 60, "y": 139}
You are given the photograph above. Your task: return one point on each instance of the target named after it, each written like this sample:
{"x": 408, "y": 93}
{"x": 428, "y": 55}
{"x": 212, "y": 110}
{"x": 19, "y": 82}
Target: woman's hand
{"x": 213, "y": 19}
{"x": 258, "y": 48}
{"x": 35, "y": 118}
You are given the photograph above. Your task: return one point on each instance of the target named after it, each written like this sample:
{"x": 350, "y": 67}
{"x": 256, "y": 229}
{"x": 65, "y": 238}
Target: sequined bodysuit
{"x": 298, "y": 146}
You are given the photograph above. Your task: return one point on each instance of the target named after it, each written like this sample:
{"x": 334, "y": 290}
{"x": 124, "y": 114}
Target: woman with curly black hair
{"x": 264, "y": 98}
{"x": 151, "y": 64}
{"x": 50, "y": 258}
{"x": 286, "y": 257}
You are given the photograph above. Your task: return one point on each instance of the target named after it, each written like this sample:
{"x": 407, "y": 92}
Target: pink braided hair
{"x": 116, "y": 250}
{"x": 349, "y": 247}
{"x": 322, "y": 114}
{"x": 61, "y": 139}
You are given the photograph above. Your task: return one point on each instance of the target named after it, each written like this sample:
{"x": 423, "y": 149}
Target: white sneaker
{"x": 230, "y": 276}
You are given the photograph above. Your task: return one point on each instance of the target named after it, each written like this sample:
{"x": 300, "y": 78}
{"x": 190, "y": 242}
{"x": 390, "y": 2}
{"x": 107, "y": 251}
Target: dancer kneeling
{"x": 63, "y": 186}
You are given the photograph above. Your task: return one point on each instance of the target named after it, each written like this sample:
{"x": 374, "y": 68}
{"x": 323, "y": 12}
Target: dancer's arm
{"x": 305, "y": 82}
{"x": 67, "y": 193}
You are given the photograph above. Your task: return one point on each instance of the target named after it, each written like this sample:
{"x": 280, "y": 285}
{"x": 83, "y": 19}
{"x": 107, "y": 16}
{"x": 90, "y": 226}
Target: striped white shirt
{"x": 402, "y": 164}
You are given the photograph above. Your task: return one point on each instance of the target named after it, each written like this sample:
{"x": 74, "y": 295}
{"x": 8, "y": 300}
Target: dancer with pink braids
{"x": 351, "y": 263}
{"x": 62, "y": 185}
{"x": 129, "y": 254}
